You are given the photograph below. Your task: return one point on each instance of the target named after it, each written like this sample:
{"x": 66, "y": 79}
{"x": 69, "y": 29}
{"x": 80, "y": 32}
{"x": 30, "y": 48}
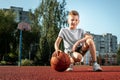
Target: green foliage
{"x": 118, "y": 56}
{"x": 29, "y": 38}
{"x": 12, "y": 55}
{"x": 7, "y": 29}
{"x": 26, "y": 62}
{"x": 51, "y": 16}
{"x": 7, "y": 21}
{"x": 3, "y": 62}
{"x": 43, "y": 52}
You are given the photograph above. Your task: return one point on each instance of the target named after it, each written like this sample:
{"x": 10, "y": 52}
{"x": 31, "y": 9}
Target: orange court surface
{"x": 47, "y": 73}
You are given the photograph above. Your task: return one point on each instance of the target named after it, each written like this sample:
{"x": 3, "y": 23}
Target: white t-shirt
{"x": 70, "y": 37}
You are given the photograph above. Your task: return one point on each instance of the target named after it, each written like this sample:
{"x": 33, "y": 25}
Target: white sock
{"x": 71, "y": 65}
{"x": 95, "y": 63}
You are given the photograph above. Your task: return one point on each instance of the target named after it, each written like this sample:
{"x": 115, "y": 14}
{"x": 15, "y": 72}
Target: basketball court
{"x": 47, "y": 73}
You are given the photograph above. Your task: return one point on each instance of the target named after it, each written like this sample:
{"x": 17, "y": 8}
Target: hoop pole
{"x": 20, "y": 48}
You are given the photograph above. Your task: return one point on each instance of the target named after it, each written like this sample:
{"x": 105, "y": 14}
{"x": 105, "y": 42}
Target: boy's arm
{"x": 86, "y": 36}
{"x": 57, "y": 43}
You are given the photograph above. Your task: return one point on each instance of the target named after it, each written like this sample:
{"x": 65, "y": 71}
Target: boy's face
{"x": 73, "y": 21}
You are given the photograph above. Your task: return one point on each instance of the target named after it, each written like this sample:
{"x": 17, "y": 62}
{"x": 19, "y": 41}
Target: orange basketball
{"x": 60, "y": 61}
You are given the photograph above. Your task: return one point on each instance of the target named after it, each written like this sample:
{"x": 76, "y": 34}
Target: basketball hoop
{"x": 24, "y": 26}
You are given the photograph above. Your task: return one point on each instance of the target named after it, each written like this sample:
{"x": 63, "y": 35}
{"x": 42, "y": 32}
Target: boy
{"x": 76, "y": 42}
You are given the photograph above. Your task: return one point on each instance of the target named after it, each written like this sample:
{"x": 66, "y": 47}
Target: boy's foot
{"x": 96, "y": 67}
{"x": 70, "y": 68}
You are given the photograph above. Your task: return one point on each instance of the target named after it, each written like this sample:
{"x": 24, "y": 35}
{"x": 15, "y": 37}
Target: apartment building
{"x": 106, "y": 43}
{"x": 21, "y": 15}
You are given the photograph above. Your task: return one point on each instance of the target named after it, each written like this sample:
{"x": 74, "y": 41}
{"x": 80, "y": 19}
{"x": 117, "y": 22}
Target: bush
{"x": 3, "y": 62}
{"x": 26, "y": 62}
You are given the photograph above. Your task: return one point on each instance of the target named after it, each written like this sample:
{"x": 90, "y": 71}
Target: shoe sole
{"x": 99, "y": 70}
{"x": 69, "y": 70}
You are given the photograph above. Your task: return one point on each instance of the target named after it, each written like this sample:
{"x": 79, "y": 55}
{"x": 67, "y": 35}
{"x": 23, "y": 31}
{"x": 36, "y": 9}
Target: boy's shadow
{"x": 78, "y": 71}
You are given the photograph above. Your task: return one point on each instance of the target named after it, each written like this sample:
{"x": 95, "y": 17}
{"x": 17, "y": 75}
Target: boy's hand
{"x": 75, "y": 46}
{"x": 81, "y": 41}
{"x": 58, "y": 51}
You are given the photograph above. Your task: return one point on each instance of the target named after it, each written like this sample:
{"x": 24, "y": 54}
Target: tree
{"x": 51, "y": 16}
{"x": 118, "y": 56}
{"x": 7, "y": 35}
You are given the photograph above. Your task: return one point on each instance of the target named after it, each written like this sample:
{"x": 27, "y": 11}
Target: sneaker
{"x": 70, "y": 68}
{"x": 96, "y": 67}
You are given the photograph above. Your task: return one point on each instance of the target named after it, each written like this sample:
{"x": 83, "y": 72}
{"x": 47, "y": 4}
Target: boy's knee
{"x": 77, "y": 57}
{"x": 89, "y": 41}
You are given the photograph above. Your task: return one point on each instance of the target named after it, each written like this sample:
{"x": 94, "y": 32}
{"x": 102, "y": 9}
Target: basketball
{"x": 60, "y": 61}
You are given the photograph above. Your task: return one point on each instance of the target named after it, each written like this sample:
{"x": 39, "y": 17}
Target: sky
{"x": 97, "y": 16}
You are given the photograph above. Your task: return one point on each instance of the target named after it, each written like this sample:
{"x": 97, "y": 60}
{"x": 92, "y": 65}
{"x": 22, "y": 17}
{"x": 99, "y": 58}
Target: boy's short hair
{"x": 73, "y": 12}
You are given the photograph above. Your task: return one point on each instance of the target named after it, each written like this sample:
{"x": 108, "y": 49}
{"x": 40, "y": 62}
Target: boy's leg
{"x": 89, "y": 44}
{"x": 77, "y": 57}
{"x": 70, "y": 68}
{"x": 74, "y": 57}
{"x": 92, "y": 49}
